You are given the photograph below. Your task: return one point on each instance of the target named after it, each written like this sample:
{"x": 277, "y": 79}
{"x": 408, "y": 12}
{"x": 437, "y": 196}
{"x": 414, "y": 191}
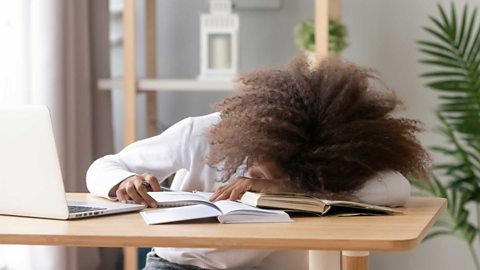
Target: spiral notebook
{"x": 180, "y": 198}
{"x": 181, "y": 206}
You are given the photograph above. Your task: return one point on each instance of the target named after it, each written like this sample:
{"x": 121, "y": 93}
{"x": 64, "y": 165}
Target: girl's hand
{"x": 136, "y": 187}
{"x": 235, "y": 189}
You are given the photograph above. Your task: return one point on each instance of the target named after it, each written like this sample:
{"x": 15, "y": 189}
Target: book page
{"x": 235, "y": 212}
{"x": 284, "y": 201}
{"x": 227, "y": 207}
{"x": 180, "y": 198}
{"x": 166, "y": 215}
{"x": 358, "y": 205}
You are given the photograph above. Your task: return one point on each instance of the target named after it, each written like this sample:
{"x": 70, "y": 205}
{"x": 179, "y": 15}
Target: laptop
{"x": 30, "y": 176}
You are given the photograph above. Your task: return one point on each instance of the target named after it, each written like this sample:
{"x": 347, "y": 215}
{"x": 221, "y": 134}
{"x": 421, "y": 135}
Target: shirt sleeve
{"x": 160, "y": 155}
{"x": 386, "y": 189}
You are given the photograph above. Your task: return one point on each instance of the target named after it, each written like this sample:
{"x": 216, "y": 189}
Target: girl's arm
{"x": 160, "y": 156}
{"x": 386, "y": 188}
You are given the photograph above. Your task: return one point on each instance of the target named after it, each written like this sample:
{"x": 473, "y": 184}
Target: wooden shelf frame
{"x": 167, "y": 85}
{"x": 131, "y": 85}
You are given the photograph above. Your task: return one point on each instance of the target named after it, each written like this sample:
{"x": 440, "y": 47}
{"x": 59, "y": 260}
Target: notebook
{"x": 31, "y": 177}
{"x": 180, "y": 206}
{"x": 305, "y": 203}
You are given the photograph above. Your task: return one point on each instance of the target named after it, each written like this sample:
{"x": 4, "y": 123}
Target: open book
{"x": 180, "y": 206}
{"x": 304, "y": 203}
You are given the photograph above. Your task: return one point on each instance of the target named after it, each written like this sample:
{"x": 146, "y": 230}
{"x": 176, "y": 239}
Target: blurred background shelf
{"x": 168, "y": 85}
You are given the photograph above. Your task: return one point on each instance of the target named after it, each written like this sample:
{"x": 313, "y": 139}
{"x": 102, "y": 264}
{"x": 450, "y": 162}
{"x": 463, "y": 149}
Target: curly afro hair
{"x": 329, "y": 127}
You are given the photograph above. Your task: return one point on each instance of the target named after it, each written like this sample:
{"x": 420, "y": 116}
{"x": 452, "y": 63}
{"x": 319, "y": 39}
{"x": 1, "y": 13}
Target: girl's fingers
{"x": 152, "y": 181}
{"x": 147, "y": 200}
{"x": 236, "y": 194}
{"x": 133, "y": 193}
{"x": 218, "y": 192}
{"x": 122, "y": 195}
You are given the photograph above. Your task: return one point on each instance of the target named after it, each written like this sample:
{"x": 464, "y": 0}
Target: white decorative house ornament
{"x": 219, "y": 41}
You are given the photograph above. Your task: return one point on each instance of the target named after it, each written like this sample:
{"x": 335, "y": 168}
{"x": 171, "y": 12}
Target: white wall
{"x": 382, "y": 35}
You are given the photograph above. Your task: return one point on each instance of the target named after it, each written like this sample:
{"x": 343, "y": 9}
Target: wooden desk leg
{"x": 355, "y": 260}
{"x": 130, "y": 258}
{"x": 324, "y": 260}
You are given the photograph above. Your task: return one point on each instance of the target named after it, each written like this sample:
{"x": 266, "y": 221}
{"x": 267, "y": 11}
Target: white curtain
{"x": 52, "y": 52}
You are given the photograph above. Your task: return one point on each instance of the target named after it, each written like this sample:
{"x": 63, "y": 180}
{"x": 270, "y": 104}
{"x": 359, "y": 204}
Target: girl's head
{"x": 326, "y": 128}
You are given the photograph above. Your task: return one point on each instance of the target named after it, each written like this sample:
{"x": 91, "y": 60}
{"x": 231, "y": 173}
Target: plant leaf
{"x": 453, "y": 54}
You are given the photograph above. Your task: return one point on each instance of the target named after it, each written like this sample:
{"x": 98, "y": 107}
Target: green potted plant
{"x": 305, "y": 36}
{"x": 453, "y": 54}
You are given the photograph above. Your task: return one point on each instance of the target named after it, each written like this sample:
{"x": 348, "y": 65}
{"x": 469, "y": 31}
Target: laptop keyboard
{"x": 78, "y": 209}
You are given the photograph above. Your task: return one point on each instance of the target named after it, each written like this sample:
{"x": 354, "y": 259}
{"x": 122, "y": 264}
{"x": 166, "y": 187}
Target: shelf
{"x": 169, "y": 84}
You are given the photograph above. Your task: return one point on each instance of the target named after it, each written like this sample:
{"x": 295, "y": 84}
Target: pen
{"x": 148, "y": 186}
{"x": 166, "y": 188}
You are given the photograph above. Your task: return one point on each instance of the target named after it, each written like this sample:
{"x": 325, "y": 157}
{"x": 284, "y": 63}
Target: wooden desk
{"x": 355, "y": 236}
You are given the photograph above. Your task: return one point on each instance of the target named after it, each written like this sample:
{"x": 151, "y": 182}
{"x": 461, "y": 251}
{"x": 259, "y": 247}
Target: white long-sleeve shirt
{"x": 185, "y": 146}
